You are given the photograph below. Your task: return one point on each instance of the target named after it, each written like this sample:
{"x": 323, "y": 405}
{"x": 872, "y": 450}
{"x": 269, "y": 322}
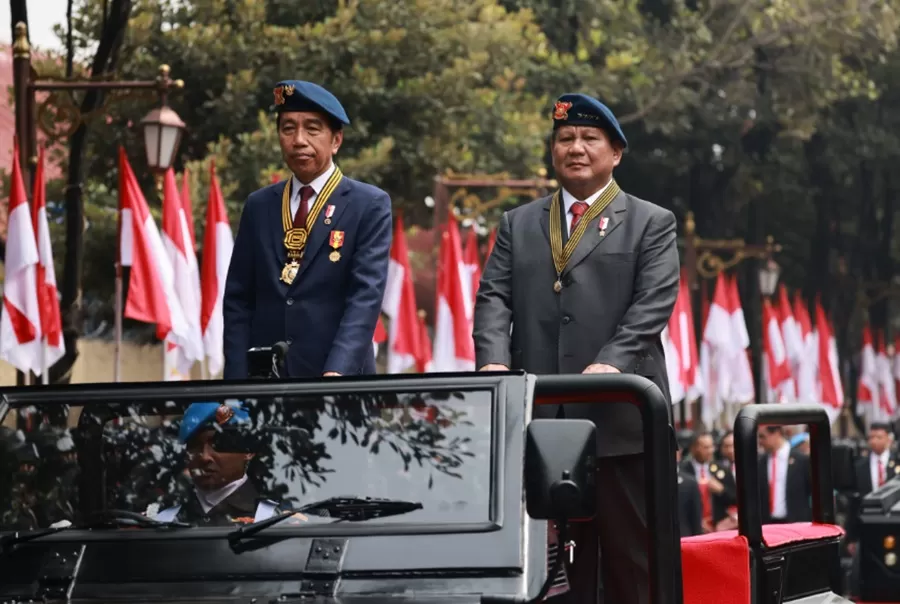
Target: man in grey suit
{"x": 584, "y": 281}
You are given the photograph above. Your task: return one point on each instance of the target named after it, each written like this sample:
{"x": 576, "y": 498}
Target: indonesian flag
{"x": 151, "y": 286}
{"x": 48, "y": 297}
{"x": 399, "y": 304}
{"x": 473, "y": 263}
{"x": 188, "y": 207}
{"x": 454, "y": 349}
{"x": 793, "y": 341}
{"x": 895, "y": 363}
{"x": 684, "y": 379}
{"x": 177, "y": 241}
{"x": 713, "y": 403}
{"x": 20, "y": 325}
{"x": 777, "y": 370}
{"x": 832, "y": 392}
{"x": 868, "y": 376}
{"x": 887, "y": 395}
{"x": 379, "y": 337}
{"x": 218, "y": 243}
{"x": 423, "y": 362}
{"x": 807, "y": 374}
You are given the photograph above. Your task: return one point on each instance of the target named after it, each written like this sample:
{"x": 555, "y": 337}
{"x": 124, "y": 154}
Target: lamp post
{"x": 704, "y": 258}
{"x": 158, "y": 125}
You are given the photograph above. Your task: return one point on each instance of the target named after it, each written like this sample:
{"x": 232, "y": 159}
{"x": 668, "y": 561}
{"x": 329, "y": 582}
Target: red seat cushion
{"x": 716, "y": 568}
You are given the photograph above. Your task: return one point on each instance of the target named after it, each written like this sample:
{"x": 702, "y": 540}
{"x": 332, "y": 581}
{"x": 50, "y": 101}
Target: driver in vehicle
{"x": 219, "y": 448}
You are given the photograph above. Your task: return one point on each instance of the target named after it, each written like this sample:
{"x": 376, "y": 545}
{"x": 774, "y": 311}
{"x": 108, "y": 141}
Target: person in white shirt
{"x": 219, "y": 450}
{"x": 784, "y": 479}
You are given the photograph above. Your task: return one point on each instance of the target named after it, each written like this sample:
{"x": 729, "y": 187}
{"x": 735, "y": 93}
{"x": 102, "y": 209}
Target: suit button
{"x": 567, "y": 319}
{"x": 290, "y": 301}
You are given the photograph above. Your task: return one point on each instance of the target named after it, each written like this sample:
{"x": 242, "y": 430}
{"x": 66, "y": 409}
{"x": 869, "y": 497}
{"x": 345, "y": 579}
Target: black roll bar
{"x": 664, "y": 548}
{"x": 746, "y": 426}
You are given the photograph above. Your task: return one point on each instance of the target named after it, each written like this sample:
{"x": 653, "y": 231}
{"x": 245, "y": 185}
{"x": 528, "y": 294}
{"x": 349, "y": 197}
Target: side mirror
{"x": 560, "y": 463}
{"x": 842, "y": 461}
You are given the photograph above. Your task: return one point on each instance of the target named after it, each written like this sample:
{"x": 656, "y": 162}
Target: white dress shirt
{"x": 884, "y": 458}
{"x": 316, "y": 184}
{"x": 569, "y": 200}
{"x": 782, "y": 457}
{"x": 210, "y": 499}
{"x": 701, "y": 470}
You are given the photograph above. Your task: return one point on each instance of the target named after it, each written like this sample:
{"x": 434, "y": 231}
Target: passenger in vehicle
{"x": 219, "y": 447}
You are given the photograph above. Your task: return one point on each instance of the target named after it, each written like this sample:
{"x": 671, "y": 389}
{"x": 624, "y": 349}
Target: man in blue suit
{"x": 311, "y": 255}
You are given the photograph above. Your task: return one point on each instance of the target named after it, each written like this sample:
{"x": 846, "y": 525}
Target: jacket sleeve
{"x": 368, "y": 279}
{"x": 493, "y": 303}
{"x": 654, "y": 294}
{"x": 239, "y": 302}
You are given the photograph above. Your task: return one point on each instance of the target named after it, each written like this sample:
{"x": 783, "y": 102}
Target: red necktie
{"x": 772, "y": 480}
{"x": 303, "y": 209}
{"x": 880, "y": 473}
{"x": 704, "y": 494}
{"x": 578, "y": 209}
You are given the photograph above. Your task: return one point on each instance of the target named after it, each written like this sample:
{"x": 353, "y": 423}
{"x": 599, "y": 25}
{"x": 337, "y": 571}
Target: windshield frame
{"x": 501, "y": 503}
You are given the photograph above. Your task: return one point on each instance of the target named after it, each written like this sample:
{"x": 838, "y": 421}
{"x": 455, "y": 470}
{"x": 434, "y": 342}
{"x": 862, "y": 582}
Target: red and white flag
{"x": 830, "y": 388}
{"x": 895, "y": 364}
{"x": 380, "y": 335}
{"x": 887, "y": 394}
{"x": 48, "y": 296}
{"x": 868, "y": 377}
{"x": 179, "y": 246}
{"x": 218, "y": 243}
{"x": 777, "y": 370}
{"x": 151, "y": 285}
{"x": 399, "y": 304}
{"x": 20, "y": 325}
{"x": 423, "y": 362}
{"x": 454, "y": 349}
{"x": 807, "y": 372}
{"x": 682, "y": 359}
{"x": 188, "y": 207}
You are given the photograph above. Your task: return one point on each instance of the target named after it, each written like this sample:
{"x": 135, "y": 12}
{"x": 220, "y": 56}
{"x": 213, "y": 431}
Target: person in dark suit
{"x": 718, "y": 490}
{"x": 584, "y": 281}
{"x": 690, "y": 505}
{"x": 311, "y": 255}
{"x": 785, "y": 481}
{"x": 219, "y": 450}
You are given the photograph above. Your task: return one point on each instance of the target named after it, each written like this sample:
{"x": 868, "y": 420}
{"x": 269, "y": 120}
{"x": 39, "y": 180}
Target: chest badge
{"x": 336, "y": 241}
{"x": 604, "y": 222}
{"x": 329, "y": 212}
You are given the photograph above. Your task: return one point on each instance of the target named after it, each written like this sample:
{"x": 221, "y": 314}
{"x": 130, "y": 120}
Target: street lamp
{"x": 768, "y": 277}
{"x": 162, "y": 134}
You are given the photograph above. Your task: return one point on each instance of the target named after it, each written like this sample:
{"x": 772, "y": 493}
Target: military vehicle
{"x": 403, "y": 488}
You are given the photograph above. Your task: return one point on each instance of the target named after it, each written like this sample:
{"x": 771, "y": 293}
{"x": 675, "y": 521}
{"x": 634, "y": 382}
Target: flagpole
{"x": 45, "y": 377}
{"x": 117, "y": 366}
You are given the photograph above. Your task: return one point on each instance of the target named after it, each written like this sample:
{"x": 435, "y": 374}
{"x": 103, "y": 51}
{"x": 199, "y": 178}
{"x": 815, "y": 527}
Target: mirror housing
{"x": 843, "y": 459}
{"x": 560, "y": 463}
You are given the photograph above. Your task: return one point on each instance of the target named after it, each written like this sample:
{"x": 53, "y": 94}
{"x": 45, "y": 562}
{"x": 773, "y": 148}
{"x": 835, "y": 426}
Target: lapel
{"x": 615, "y": 213}
{"x": 545, "y": 217}
{"x": 320, "y": 231}
{"x": 274, "y": 225}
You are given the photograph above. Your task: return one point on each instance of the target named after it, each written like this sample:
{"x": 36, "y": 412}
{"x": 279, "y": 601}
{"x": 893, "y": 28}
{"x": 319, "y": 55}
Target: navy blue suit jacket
{"x": 328, "y": 315}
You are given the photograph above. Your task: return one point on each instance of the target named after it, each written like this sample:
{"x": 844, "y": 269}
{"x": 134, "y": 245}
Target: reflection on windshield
{"x": 221, "y": 463}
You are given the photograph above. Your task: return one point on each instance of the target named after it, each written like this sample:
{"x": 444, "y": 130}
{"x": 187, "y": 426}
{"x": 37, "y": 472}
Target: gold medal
{"x": 557, "y": 287}
{"x": 334, "y": 256}
{"x": 289, "y": 272}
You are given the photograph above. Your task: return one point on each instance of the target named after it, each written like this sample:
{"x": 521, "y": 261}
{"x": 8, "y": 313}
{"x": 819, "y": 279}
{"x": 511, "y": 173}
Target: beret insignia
{"x": 223, "y": 414}
{"x": 561, "y": 110}
{"x": 281, "y": 92}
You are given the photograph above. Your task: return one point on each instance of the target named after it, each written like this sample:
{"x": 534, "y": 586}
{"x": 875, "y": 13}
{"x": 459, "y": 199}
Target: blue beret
{"x": 581, "y": 110}
{"x": 205, "y": 415}
{"x": 799, "y": 438}
{"x": 296, "y": 95}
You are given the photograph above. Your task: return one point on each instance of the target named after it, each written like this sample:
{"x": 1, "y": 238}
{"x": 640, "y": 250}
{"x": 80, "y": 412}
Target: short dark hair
{"x": 335, "y": 125}
{"x": 882, "y": 426}
{"x": 697, "y": 436}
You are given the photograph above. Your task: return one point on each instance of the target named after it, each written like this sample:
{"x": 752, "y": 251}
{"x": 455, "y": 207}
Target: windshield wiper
{"x": 352, "y": 509}
{"x": 104, "y": 519}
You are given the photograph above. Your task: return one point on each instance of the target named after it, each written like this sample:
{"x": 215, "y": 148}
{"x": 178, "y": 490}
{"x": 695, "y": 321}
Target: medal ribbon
{"x": 295, "y": 238}
{"x": 562, "y": 255}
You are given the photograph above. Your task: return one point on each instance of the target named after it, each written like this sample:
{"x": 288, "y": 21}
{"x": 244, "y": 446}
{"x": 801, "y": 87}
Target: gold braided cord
{"x": 287, "y": 220}
{"x": 562, "y": 255}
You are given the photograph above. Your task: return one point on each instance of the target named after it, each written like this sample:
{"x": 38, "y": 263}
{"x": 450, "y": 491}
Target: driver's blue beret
{"x": 576, "y": 109}
{"x": 207, "y": 415}
{"x": 297, "y": 95}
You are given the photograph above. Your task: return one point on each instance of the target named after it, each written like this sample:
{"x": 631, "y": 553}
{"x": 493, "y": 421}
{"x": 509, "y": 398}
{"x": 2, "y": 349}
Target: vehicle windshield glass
{"x": 228, "y": 462}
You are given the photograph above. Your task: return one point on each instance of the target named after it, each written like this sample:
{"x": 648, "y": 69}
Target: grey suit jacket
{"x": 618, "y": 292}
